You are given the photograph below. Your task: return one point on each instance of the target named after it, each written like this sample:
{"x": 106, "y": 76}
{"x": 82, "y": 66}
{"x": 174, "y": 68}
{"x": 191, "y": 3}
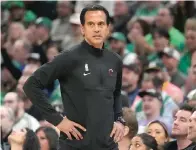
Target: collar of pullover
{"x": 92, "y": 49}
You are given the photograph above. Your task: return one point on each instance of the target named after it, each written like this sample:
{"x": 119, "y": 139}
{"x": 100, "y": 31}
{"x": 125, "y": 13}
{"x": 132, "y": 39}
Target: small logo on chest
{"x": 86, "y": 70}
{"x": 110, "y": 71}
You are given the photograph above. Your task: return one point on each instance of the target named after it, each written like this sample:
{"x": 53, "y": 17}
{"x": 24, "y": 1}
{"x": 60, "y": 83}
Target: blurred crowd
{"x": 157, "y": 43}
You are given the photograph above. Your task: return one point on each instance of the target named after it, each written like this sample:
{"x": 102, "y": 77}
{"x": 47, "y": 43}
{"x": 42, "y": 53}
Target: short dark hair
{"x": 93, "y": 8}
{"x": 186, "y": 107}
{"x": 145, "y": 26}
{"x": 131, "y": 121}
{"x": 31, "y": 141}
{"x": 162, "y": 32}
{"x": 51, "y": 136}
{"x": 149, "y": 141}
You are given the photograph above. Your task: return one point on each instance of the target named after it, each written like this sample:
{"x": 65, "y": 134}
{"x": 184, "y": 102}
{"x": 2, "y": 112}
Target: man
{"x": 131, "y": 128}
{"x": 117, "y": 43}
{"x": 22, "y": 119}
{"x": 180, "y": 130}
{"x": 90, "y": 79}
{"x": 170, "y": 58}
{"x": 165, "y": 20}
{"x": 192, "y": 98}
{"x": 192, "y": 127}
{"x": 7, "y": 122}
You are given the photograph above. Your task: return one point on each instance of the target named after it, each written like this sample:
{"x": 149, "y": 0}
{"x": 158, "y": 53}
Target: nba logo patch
{"x": 110, "y": 71}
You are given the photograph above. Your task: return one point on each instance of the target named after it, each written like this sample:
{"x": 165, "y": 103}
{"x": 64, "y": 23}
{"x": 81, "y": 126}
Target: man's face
{"x": 160, "y": 42}
{"x": 120, "y": 8}
{"x": 11, "y": 101}
{"x": 129, "y": 78}
{"x": 19, "y": 53}
{"x": 163, "y": 18}
{"x": 151, "y": 104}
{"x": 169, "y": 62}
{"x": 63, "y": 8}
{"x": 180, "y": 125}
{"x": 95, "y": 28}
{"x": 191, "y": 40}
{"x": 193, "y": 66}
{"x": 16, "y": 31}
{"x": 117, "y": 46}
{"x": 192, "y": 127}
{"x": 17, "y": 13}
{"x": 6, "y": 123}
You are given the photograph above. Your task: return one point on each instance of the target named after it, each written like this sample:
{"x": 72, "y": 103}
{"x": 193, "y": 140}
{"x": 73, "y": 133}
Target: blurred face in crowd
{"x": 169, "y": 62}
{"x": 11, "y": 100}
{"x": 18, "y": 136}
{"x": 137, "y": 144}
{"x": 129, "y": 79}
{"x": 137, "y": 26}
{"x": 151, "y": 105}
{"x": 191, "y": 40}
{"x": 41, "y": 31}
{"x": 76, "y": 29}
{"x": 160, "y": 42}
{"x": 63, "y": 8}
{"x": 30, "y": 35}
{"x": 95, "y": 28}
{"x": 117, "y": 46}
{"x": 51, "y": 53}
{"x": 20, "y": 54}
{"x": 158, "y": 132}
{"x": 16, "y": 31}
{"x": 180, "y": 125}
{"x": 43, "y": 140}
{"x": 164, "y": 18}
{"x": 6, "y": 119}
{"x": 193, "y": 66}
{"x": 192, "y": 127}
{"x": 17, "y": 13}
{"x": 120, "y": 8}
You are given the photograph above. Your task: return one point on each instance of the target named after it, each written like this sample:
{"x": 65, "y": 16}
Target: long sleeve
{"x": 117, "y": 93}
{"x": 8, "y": 63}
{"x": 42, "y": 77}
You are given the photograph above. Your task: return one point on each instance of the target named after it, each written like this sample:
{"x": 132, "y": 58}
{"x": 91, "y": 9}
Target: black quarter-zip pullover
{"x": 90, "y": 81}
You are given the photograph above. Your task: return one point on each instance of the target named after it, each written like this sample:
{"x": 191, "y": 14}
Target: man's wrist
{"x": 121, "y": 120}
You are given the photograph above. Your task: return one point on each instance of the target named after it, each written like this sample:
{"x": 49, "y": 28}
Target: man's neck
{"x": 124, "y": 144}
{"x": 172, "y": 71}
{"x": 44, "y": 38}
{"x": 20, "y": 114}
{"x": 15, "y": 146}
{"x": 183, "y": 142}
{"x": 131, "y": 88}
{"x": 153, "y": 116}
{"x": 96, "y": 46}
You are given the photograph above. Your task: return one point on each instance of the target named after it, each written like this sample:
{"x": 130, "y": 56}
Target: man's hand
{"x": 117, "y": 131}
{"x": 69, "y": 128}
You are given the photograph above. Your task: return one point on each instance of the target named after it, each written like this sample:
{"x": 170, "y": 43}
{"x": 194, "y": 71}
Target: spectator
{"x": 148, "y": 11}
{"x": 170, "y": 58}
{"x": 159, "y": 131}
{"x": 131, "y": 128}
{"x": 117, "y": 42}
{"x": 192, "y": 98}
{"x": 151, "y": 106}
{"x": 24, "y": 139}
{"x": 22, "y": 119}
{"x": 52, "y": 51}
{"x": 138, "y": 35}
{"x": 43, "y": 27}
{"x": 61, "y": 26}
{"x": 144, "y": 142}
{"x": 185, "y": 61}
{"x": 190, "y": 24}
{"x": 48, "y": 138}
{"x": 7, "y": 122}
{"x": 180, "y": 130}
{"x": 192, "y": 128}
{"x": 130, "y": 79}
{"x": 121, "y": 16}
{"x": 165, "y": 20}
{"x": 76, "y": 37}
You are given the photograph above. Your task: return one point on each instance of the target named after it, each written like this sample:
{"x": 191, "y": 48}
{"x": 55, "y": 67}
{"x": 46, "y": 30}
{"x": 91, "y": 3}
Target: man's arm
{"x": 46, "y": 74}
{"x": 117, "y": 93}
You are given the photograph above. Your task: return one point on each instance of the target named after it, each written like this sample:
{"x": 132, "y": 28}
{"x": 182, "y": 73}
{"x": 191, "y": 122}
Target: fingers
{"x": 77, "y": 133}
{"x": 113, "y": 131}
{"x": 117, "y": 135}
{"x": 69, "y": 135}
{"x": 79, "y": 126}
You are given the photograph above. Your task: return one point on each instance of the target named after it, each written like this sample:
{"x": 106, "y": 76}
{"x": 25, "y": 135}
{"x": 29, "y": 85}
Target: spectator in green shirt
{"x": 165, "y": 20}
{"x": 185, "y": 61}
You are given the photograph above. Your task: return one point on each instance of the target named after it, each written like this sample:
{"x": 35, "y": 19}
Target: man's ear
{"x": 82, "y": 29}
{"x": 126, "y": 130}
